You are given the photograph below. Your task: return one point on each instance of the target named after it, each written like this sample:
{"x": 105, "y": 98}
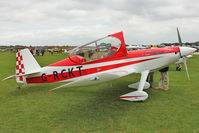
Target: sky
{"x": 76, "y": 22}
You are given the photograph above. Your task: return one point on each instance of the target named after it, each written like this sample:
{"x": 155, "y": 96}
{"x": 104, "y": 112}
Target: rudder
{"x": 25, "y": 64}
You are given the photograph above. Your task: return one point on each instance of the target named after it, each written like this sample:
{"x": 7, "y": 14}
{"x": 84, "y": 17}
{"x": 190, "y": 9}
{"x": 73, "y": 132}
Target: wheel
{"x": 178, "y": 68}
{"x": 18, "y": 88}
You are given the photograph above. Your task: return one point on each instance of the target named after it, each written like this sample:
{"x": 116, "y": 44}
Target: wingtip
{"x": 53, "y": 89}
{"x": 57, "y": 87}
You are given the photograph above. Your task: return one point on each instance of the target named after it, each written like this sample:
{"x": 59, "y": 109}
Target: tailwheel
{"x": 19, "y": 86}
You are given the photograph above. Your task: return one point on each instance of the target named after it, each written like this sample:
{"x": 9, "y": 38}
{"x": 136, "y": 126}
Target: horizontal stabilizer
{"x": 14, "y": 76}
{"x": 10, "y": 77}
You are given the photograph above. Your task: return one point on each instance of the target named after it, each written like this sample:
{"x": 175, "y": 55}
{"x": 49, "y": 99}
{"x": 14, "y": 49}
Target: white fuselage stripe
{"x": 88, "y": 66}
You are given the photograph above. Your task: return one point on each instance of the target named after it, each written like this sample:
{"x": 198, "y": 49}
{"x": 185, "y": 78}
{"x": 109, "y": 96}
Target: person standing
{"x": 51, "y": 51}
{"x": 112, "y": 51}
{"x": 164, "y": 79}
{"x": 150, "y": 79}
{"x": 32, "y": 52}
{"x": 37, "y": 52}
{"x": 150, "y": 76}
{"x": 42, "y": 52}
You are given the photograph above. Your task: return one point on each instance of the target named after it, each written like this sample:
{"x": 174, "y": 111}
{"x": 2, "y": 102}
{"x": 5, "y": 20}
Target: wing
{"x": 99, "y": 77}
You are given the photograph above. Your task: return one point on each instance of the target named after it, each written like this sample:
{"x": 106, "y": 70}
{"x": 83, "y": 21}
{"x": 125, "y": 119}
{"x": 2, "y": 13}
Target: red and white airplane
{"x": 101, "y": 60}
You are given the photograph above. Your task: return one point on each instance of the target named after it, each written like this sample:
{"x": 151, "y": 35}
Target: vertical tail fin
{"x": 25, "y": 64}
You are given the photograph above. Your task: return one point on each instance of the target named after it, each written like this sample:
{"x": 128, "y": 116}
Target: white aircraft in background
{"x": 135, "y": 47}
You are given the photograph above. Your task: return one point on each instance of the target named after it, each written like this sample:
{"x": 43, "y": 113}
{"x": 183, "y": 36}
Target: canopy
{"x": 102, "y": 49}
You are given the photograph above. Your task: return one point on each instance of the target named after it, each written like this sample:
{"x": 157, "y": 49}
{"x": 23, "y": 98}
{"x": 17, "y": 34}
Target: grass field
{"x": 97, "y": 108}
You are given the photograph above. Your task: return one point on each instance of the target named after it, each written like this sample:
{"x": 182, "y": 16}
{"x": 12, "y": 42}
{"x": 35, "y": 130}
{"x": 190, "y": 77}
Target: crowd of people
{"x": 37, "y": 52}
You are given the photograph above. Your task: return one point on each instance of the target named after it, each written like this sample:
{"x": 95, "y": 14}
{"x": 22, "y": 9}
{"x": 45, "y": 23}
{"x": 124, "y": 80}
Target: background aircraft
{"x": 197, "y": 47}
{"x": 98, "y": 61}
{"x": 135, "y": 47}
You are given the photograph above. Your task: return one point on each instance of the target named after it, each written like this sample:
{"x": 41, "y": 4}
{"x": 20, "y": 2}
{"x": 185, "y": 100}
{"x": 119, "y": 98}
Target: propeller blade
{"x": 179, "y": 38}
{"x": 185, "y": 64}
{"x": 180, "y": 41}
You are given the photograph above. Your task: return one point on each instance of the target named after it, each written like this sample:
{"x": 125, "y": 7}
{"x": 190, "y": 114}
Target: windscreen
{"x": 95, "y": 50}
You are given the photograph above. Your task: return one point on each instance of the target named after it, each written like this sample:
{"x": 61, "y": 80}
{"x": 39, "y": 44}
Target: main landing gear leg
{"x": 138, "y": 95}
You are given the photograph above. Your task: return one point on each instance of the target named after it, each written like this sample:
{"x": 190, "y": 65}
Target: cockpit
{"x": 99, "y": 49}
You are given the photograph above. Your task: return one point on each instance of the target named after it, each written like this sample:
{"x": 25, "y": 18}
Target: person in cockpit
{"x": 112, "y": 51}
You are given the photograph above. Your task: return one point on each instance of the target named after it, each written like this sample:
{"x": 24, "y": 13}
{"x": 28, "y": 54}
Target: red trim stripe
{"x": 50, "y": 77}
{"x": 130, "y": 96}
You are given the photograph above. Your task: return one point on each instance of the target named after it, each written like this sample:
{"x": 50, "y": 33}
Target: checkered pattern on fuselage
{"x": 19, "y": 66}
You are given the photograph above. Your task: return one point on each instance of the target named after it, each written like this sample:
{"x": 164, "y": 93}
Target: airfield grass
{"x": 97, "y": 108}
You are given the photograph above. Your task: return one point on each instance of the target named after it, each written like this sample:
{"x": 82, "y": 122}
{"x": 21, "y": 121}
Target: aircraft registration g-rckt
{"x": 98, "y": 61}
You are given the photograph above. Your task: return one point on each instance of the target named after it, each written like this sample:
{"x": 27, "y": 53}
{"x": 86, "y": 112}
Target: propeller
{"x": 183, "y": 57}
{"x": 179, "y": 38}
{"x": 180, "y": 42}
{"x": 185, "y": 64}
